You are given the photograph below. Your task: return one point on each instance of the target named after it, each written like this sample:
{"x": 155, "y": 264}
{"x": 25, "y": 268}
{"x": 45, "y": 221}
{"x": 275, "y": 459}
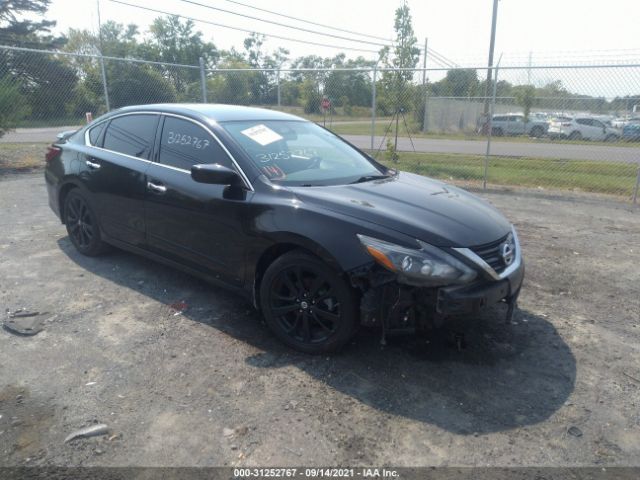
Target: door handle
{"x": 92, "y": 165}
{"x": 158, "y": 188}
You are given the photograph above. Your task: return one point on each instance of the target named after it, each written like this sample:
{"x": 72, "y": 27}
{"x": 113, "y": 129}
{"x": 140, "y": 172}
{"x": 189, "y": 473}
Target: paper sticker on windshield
{"x": 261, "y": 134}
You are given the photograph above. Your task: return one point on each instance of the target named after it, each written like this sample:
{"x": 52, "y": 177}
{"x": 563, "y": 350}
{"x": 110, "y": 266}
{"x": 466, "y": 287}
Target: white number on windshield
{"x": 296, "y": 154}
{"x": 177, "y": 138}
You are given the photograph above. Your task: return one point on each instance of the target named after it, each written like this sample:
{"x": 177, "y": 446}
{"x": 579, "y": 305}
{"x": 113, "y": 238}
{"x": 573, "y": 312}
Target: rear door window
{"x": 132, "y": 135}
{"x": 95, "y": 133}
{"x": 184, "y": 144}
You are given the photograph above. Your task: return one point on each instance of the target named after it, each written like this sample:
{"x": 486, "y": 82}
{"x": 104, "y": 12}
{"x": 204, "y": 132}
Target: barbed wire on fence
{"x": 559, "y": 126}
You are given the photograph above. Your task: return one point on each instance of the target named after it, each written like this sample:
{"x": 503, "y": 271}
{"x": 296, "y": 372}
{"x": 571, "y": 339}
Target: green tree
{"x": 134, "y": 84}
{"x": 310, "y": 83}
{"x": 171, "y": 40}
{"x": 44, "y": 81}
{"x": 353, "y": 85}
{"x": 231, "y": 87}
{"x": 128, "y": 82}
{"x": 262, "y": 90}
{"x": 462, "y": 82}
{"x": 395, "y": 91}
{"x": 114, "y": 40}
{"x": 310, "y": 96}
{"x": 18, "y": 27}
{"x": 525, "y": 96}
{"x": 13, "y": 106}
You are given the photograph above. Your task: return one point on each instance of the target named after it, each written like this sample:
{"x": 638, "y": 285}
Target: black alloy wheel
{"x": 82, "y": 225}
{"x": 306, "y": 304}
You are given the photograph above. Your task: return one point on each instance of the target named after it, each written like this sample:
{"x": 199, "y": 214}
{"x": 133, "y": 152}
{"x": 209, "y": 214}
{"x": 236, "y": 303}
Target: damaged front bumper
{"x": 389, "y": 303}
{"x": 462, "y": 299}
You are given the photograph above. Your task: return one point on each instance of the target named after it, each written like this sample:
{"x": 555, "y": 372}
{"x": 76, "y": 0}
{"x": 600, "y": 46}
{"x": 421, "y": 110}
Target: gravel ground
{"x": 210, "y": 386}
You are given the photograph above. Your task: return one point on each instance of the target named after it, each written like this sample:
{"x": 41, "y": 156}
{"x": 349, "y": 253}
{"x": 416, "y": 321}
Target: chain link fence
{"x": 546, "y": 127}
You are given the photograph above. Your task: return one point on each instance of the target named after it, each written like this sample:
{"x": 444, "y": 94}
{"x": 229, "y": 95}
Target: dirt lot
{"x": 211, "y": 386}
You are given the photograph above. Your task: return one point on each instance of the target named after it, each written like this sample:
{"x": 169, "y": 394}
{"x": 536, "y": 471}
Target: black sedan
{"x": 317, "y": 234}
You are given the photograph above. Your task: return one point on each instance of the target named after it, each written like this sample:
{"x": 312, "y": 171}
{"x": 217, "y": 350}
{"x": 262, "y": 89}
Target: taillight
{"x": 52, "y": 152}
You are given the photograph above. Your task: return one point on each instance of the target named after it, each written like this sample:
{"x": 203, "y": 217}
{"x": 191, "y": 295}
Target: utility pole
{"x": 399, "y": 83}
{"x": 529, "y": 69}
{"x": 492, "y": 44}
{"x": 424, "y": 62}
{"x": 102, "y": 69}
{"x": 424, "y": 84}
{"x": 203, "y": 80}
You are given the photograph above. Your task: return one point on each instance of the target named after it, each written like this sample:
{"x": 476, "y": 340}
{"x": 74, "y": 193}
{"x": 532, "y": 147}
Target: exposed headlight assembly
{"x": 427, "y": 265}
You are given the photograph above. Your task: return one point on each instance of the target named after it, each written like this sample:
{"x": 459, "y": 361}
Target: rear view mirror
{"x": 215, "y": 174}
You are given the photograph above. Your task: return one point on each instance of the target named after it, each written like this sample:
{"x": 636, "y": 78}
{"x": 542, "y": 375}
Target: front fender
{"x": 330, "y": 235}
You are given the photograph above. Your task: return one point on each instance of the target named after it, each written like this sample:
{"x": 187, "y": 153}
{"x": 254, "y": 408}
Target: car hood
{"x": 416, "y": 206}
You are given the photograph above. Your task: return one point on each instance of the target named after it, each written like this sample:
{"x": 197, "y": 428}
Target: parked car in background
{"x": 618, "y": 122}
{"x": 606, "y": 119}
{"x": 622, "y": 121}
{"x": 631, "y": 131}
{"x": 514, "y": 124}
{"x": 539, "y": 117}
{"x": 581, "y": 128}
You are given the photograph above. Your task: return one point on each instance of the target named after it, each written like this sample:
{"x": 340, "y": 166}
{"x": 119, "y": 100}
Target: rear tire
{"x": 537, "y": 132}
{"x": 497, "y": 132}
{"x": 308, "y": 305}
{"x": 611, "y": 138}
{"x": 575, "y": 136}
{"x": 82, "y": 225}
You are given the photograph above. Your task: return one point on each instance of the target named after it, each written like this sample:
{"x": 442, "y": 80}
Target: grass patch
{"x": 51, "y": 122}
{"x": 21, "y": 157}
{"x": 615, "y": 178}
{"x": 589, "y": 176}
{"x": 364, "y": 128}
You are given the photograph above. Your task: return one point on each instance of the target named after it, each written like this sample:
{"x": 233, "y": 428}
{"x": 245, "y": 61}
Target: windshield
{"x": 301, "y": 153}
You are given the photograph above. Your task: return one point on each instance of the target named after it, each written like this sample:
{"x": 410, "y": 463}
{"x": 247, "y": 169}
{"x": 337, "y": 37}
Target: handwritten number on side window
{"x": 178, "y": 138}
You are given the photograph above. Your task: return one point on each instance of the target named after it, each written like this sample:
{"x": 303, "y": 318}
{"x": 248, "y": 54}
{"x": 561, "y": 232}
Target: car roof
{"x": 213, "y": 112}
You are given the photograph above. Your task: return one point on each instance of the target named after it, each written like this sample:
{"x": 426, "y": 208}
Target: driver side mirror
{"x": 215, "y": 174}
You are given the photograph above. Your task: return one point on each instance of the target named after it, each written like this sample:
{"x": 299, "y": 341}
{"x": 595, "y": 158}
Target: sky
{"x": 458, "y": 29}
{"x": 551, "y": 31}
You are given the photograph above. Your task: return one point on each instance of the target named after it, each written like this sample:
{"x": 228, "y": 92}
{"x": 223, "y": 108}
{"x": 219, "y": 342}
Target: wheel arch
{"x": 537, "y": 130}
{"x": 282, "y": 245}
{"x": 64, "y": 190}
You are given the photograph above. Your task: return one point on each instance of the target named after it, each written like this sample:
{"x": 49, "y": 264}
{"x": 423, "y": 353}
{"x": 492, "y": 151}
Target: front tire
{"x": 307, "y": 305}
{"x": 82, "y": 225}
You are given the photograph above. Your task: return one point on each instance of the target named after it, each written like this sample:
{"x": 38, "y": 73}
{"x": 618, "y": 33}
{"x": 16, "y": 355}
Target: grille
{"x": 490, "y": 253}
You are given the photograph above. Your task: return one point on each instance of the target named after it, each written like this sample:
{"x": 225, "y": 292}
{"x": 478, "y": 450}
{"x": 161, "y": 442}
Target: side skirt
{"x": 178, "y": 266}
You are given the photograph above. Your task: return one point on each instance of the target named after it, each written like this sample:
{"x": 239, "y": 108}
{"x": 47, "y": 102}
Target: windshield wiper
{"x": 368, "y": 178}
